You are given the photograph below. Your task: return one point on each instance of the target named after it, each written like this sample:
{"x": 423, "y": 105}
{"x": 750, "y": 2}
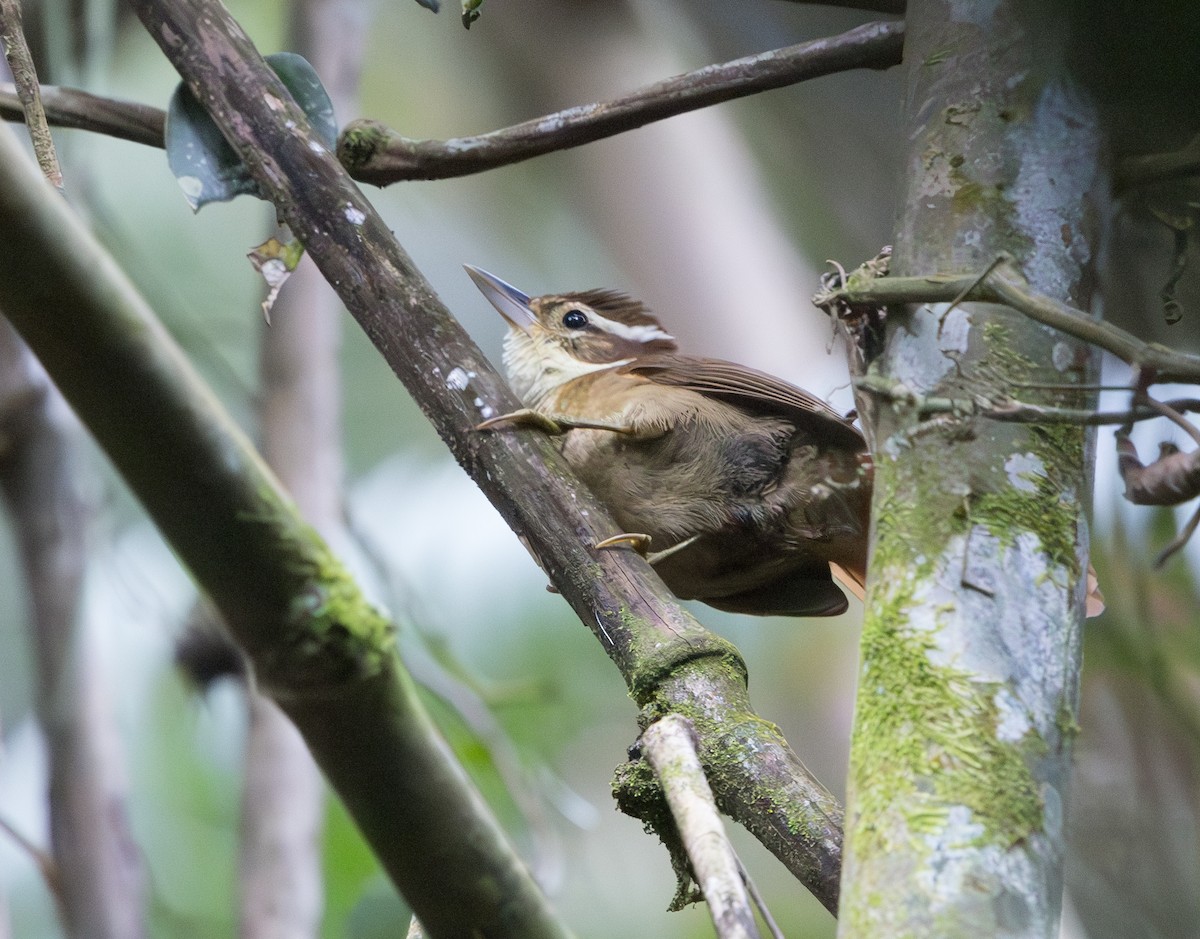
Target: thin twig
{"x": 1174, "y": 417}
{"x": 669, "y": 745}
{"x": 374, "y": 153}
{"x": 1003, "y": 285}
{"x": 20, "y": 63}
{"x": 1179, "y": 540}
{"x": 759, "y": 902}
{"x": 70, "y": 107}
{"x": 1013, "y": 411}
{"x": 41, "y": 858}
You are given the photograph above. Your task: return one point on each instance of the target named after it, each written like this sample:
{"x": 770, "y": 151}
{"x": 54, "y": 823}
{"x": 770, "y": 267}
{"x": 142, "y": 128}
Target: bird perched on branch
{"x": 743, "y": 488}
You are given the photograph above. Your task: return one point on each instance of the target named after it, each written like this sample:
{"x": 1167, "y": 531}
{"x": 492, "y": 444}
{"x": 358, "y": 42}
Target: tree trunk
{"x": 969, "y": 685}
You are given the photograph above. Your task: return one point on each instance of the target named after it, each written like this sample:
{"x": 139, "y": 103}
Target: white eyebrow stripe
{"x": 643, "y": 333}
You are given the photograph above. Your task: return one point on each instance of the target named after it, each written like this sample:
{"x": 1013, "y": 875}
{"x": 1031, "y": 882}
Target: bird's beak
{"x": 507, "y": 299}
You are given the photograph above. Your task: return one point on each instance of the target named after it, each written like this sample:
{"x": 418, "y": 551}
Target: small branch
{"x": 1002, "y": 286}
{"x": 1013, "y": 411}
{"x": 668, "y": 660}
{"x": 41, "y": 859}
{"x": 670, "y": 747}
{"x": 20, "y": 63}
{"x": 70, "y": 107}
{"x": 373, "y": 153}
{"x": 376, "y": 154}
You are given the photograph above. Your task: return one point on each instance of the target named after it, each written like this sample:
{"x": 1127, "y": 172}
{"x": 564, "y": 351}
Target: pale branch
{"x": 281, "y": 891}
{"x": 70, "y": 107}
{"x": 100, "y": 876}
{"x": 20, "y": 63}
{"x": 375, "y": 154}
{"x": 669, "y": 746}
{"x": 669, "y": 661}
{"x": 1002, "y": 284}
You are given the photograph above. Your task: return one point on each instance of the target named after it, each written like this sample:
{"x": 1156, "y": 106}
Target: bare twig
{"x": 1013, "y": 411}
{"x": 373, "y": 153}
{"x": 1004, "y": 285}
{"x": 41, "y": 858}
{"x": 669, "y": 745}
{"x": 376, "y": 154}
{"x": 20, "y": 63}
{"x": 1181, "y": 539}
{"x": 759, "y": 902}
{"x": 70, "y": 107}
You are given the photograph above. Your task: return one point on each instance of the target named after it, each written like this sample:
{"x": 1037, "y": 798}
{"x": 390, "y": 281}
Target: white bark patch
{"x": 1005, "y": 629}
{"x": 1063, "y": 356}
{"x": 1023, "y": 469}
{"x": 955, "y": 328}
{"x": 457, "y": 379}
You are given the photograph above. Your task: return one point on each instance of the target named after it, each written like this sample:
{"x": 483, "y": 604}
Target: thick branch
{"x": 375, "y": 154}
{"x": 315, "y": 642}
{"x": 668, "y": 660}
{"x": 877, "y": 6}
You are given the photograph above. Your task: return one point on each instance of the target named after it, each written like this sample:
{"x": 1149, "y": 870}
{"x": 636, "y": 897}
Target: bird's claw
{"x": 524, "y": 417}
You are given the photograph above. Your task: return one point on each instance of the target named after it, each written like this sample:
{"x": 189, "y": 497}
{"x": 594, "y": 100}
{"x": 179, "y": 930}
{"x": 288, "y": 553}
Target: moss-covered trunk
{"x": 966, "y": 707}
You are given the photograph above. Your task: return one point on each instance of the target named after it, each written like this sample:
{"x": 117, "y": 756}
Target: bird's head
{"x": 556, "y": 338}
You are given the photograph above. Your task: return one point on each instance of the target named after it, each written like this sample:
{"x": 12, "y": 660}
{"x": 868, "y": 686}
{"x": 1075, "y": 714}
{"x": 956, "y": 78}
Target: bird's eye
{"x": 574, "y": 319}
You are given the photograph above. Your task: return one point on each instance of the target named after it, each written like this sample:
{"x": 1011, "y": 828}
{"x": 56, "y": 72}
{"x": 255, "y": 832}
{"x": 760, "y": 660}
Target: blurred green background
{"x": 721, "y": 222}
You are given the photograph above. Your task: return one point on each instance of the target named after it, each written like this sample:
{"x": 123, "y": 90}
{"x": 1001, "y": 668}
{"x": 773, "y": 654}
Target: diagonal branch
{"x": 669, "y": 661}
{"x": 375, "y": 154}
{"x": 20, "y": 62}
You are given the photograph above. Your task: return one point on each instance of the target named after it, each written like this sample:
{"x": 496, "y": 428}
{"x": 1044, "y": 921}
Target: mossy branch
{"x": 323, "y": 652}
{"x": 316, "y": 644}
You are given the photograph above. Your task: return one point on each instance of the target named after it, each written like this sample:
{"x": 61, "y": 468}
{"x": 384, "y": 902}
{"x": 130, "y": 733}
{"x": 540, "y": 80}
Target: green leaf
{"x": 206, "y": 166}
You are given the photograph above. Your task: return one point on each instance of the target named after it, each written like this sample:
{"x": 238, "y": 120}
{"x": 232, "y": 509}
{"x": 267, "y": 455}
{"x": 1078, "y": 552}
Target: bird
{"x": 752, "y": 493}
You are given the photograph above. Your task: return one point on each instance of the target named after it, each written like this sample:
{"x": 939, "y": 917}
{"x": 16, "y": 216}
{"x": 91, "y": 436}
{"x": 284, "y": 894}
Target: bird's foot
{"x": 641, "y": 544}
{"x": 528, "y": 417}
{"x": 525, "y": 417}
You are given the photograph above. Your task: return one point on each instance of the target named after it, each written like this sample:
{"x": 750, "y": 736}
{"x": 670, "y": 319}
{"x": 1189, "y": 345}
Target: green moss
{"x": 952, "y": 758}
{"x": 332, "y": 634}
{"x": 359, "y": 143}
{"x": 638, "y": 794}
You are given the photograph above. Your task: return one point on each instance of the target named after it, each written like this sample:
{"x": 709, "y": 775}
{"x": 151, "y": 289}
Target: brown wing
{"x": 750, "y": 389}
